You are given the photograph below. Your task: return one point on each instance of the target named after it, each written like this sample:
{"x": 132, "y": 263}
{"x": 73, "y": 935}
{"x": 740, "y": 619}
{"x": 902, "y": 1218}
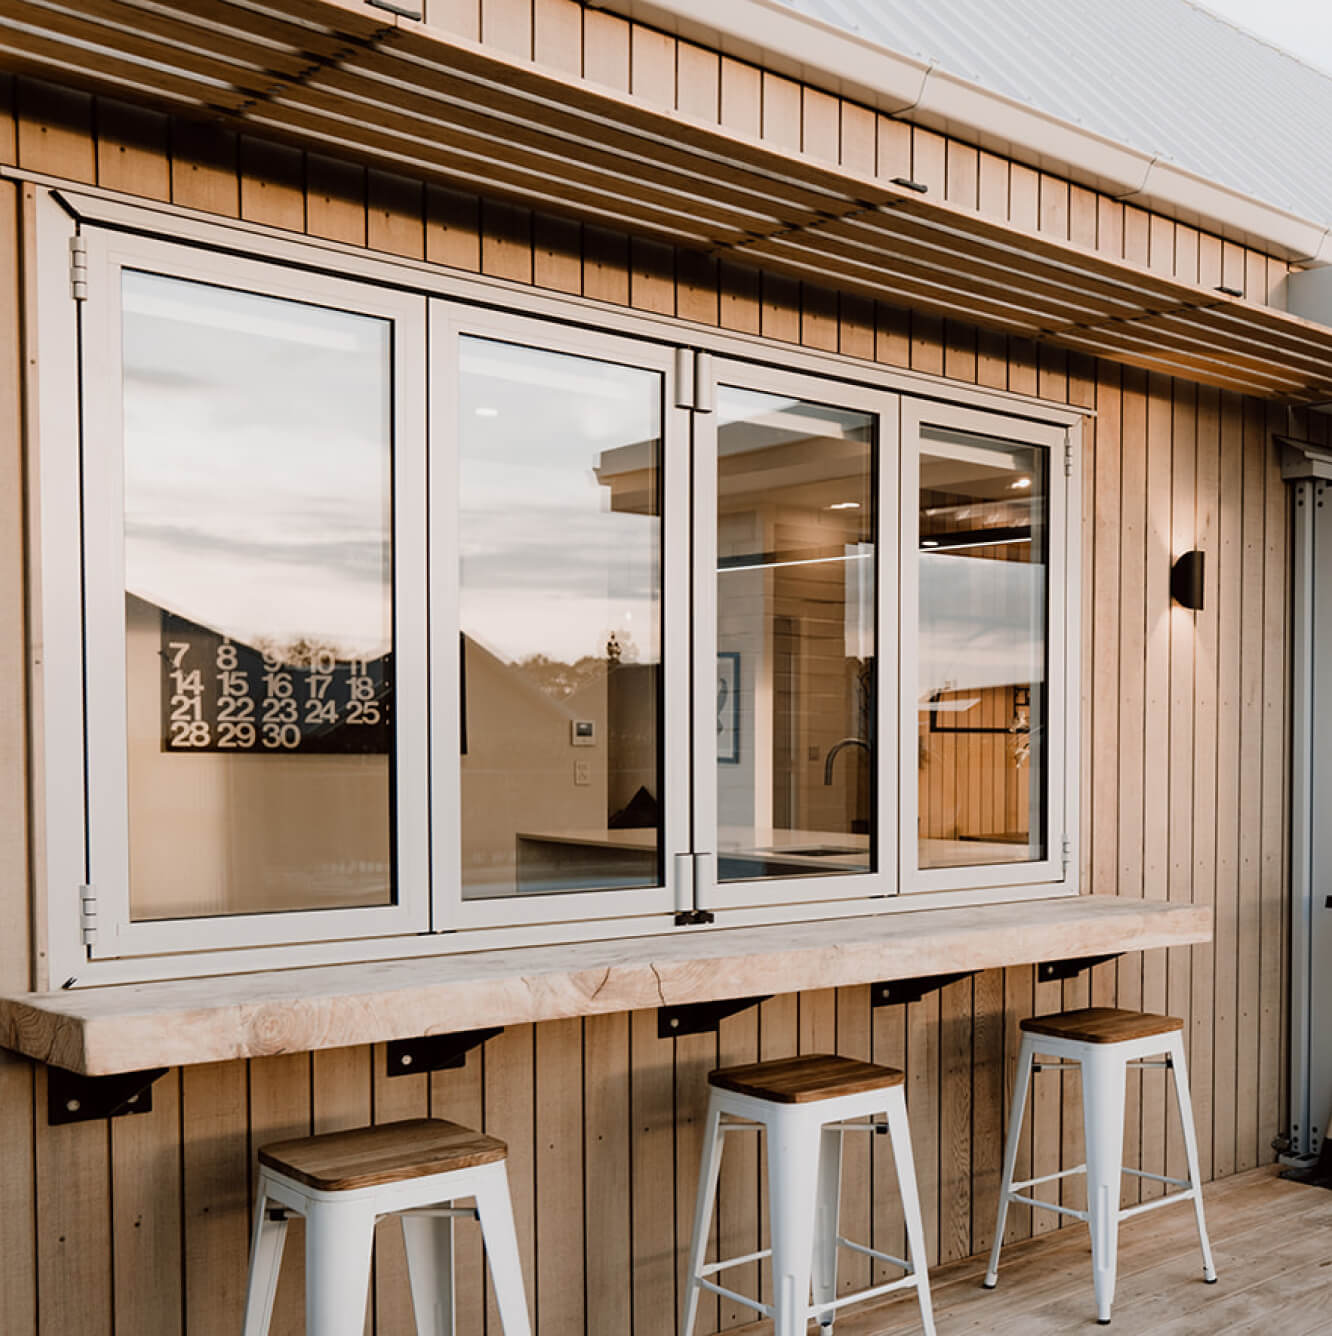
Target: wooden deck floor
{"x": 1272, "y": 1241}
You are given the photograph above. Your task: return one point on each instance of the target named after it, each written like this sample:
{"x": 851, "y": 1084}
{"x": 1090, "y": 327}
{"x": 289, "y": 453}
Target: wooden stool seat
{"x": 344, "y": 1183}
{"x": 1102, "y": 1025}
{"x": 802, "y": 1080}
{"x": 366, "y": 1157}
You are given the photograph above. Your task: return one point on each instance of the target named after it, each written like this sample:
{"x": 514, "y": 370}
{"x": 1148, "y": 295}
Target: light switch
{"x": 582, "y": 772}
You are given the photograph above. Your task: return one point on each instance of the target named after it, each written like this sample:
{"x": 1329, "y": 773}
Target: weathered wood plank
{"x": 126, "y": 1027}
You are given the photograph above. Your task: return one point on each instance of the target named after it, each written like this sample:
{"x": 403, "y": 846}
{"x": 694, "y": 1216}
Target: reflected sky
{"x": 258, "y": 441}
{"x": 547, "y": 566}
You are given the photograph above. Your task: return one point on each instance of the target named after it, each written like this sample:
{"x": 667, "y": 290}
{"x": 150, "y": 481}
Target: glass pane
{"x": 984, "y": 508}
{"x": 259, "y": 613}
{"x": 560, "y": 539}
{"x": 796, "y": 534}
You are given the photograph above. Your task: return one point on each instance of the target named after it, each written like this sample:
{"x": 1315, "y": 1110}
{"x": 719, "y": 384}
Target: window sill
{"x": 119, "y": 1028}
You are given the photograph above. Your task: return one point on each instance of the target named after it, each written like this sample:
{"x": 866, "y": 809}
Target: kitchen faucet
{"x": 832, "y": 755}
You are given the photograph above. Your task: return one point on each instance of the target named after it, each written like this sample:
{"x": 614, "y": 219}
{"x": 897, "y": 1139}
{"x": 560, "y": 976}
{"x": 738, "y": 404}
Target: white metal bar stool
{"x": 342, "y": 1182}
{"x": 800, "y": 1103}
{"x": 1104, "y": 1042}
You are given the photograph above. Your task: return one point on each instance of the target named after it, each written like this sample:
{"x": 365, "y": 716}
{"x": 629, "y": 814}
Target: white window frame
{"x": 713, "y": 893}
{"x": 53, "y": 212}
{"x": 109, "y": 255}
{"x": 450, "y": 323}
{"x": 1058, "y": 868}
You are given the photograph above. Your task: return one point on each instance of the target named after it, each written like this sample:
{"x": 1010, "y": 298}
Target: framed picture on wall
{"x": 728, "y": 707}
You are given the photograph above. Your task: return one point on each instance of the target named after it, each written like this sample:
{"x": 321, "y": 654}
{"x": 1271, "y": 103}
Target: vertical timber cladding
{"x": 1182, "y": 786}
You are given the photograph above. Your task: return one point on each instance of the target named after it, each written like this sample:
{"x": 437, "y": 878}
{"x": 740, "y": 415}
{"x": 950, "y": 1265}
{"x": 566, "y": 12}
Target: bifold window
{"x": 399, "y": 617}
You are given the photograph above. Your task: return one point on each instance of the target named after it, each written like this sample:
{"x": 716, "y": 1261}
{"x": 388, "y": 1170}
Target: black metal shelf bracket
{"x": 1052, "y": 971}
{"x": 700, "y": 1017}
{"x": 892, "y": 992}
{"x": 435, "y": 1052}
{"x": 74, "y": 1098}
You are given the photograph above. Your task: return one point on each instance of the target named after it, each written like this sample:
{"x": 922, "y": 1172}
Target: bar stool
{"x": 342, "y": 1182}
{"x": 798, "y": 1101}
{"x": 1104, "y": 1042}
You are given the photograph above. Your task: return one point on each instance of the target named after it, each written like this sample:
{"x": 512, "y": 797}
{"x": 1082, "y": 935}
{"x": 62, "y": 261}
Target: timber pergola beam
{"x": 346, "y": 77}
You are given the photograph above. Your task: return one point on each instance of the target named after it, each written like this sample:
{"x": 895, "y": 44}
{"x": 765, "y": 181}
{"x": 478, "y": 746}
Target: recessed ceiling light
{"x": 487, "y": 412}
{"x": 845, "y": 505}
{"x": 1020, "y": 485}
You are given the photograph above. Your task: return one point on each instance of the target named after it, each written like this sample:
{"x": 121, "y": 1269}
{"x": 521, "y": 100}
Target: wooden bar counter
{"x": 98, "y": 1031}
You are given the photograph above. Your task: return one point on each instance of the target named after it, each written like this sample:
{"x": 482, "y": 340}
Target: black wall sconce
{"x": 1186, "y": 581}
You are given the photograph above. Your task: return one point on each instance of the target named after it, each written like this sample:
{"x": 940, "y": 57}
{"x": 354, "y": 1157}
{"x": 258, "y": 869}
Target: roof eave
{"x": 778, "y": 38}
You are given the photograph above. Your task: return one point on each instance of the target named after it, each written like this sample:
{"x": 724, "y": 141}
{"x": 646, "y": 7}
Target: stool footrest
{"x": 766, "y": 1309}
{"x": 725, "y": 1264}
{"x": 874, "y": 1252}
{"x": 1158, "y": 1178}
{"x": 1049, "y": 1178}
{"x": 902, "y": 1283}
{"x": 1047, "y": 1206}
{"x": 1169, "y": 1200}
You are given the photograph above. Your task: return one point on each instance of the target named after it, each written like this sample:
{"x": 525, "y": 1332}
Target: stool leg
{"x": 339, "y": 1243}
{"x": 708, "y": 1172}
{"x": 1191, "y": 1150}
{"x": 1103, "y": 1120}
{"x": 267, "y": 1240}
{"x": 826, "y": 1221}
{"x": 899, "y": 1133}
{"x": 428, "y": 1241}
{"x": 1021, "y": 1084}
{"x": 495, "y": 1210}
{"x": 793, "y": 1173}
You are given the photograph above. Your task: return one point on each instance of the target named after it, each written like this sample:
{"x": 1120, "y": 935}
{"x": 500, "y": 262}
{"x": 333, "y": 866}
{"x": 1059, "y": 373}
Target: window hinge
{"x": 88, "y": 914}
{"x": 684, "y": 378}
{"x": 1066, "y": 846}
{"x": 1068, "y": 456}
{"x": 705, "y": 388}
{"x": 78, "y": 267}
{"x": 694, "y": 386}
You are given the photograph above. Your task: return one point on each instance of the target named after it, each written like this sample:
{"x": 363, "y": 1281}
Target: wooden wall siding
{"x": 140, "y": 1226}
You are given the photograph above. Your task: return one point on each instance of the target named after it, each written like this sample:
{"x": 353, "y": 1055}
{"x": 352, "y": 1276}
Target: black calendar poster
{"x": 219, "y": 695}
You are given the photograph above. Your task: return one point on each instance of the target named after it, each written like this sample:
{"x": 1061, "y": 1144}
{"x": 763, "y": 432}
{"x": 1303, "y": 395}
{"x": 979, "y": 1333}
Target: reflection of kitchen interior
{"x": 982, "y": 675}
{"x": 796, "y": 628}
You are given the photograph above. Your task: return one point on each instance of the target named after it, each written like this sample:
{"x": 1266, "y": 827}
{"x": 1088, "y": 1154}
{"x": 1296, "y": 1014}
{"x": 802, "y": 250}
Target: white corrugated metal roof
{"x": 1166, "y": 77}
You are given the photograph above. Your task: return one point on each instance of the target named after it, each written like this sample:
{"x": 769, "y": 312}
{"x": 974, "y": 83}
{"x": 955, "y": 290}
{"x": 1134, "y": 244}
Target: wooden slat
{"x": 279, "y": 1097}
{"x": 1229, "y": 587}
{"x": 488, "y": 133}
{"x": 739, "y": 1194}
{"x": 1183, "y": 757}
{"x": 215, "y": 1196}
{"x": 508, "y": 1094}
{"x": 606, "y": 1160}
{"x": 695, "y": 1057}
{"x": 651, "y": 1095}
{"x": 393, "y": 1099}
{"x": 221, "y": 63}
{"x": 855, "y": 1039}
{"x": 560, "y": 1217}
{"x": 1249, "y": 964}
{"x": 1156, "y": 745}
